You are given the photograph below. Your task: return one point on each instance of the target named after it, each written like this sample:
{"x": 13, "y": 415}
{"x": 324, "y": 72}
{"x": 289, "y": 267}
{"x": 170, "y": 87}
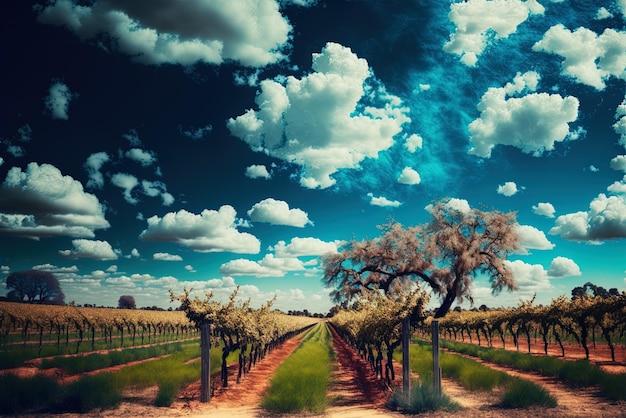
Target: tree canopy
{"x": 445, "y": 254}
{"x": 34, "y": 286}
{"x": 126, "y": 302}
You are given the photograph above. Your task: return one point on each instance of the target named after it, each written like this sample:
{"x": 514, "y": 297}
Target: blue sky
{"x": 210, "y": 144}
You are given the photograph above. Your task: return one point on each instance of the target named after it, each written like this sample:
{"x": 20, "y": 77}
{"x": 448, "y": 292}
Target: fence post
{"x": 205, "y": 359}
{"x": 436, "y": 367}
{"x": 406, "y": 357}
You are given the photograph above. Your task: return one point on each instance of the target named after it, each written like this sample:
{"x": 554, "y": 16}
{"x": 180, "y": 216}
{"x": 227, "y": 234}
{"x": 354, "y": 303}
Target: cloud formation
{"x": 209, "y": 231}
{"x": 269, "y": 266}
{"x": 507, "y": 189}
{"x": 41, "y": 202}
{"x": 251, "y": 33}
{"x": 93, "y": 165}
{"x": 257, "y": 171}
{"x": 382, "y": 201}
{"x": 620, "y": 125}
{"x": 532, "y": 123}
{"x": 588, "y": 58}
{"x": 96, "y": 249}
{"x": 308, "y": 246}
{"x": 479, "y": 22}
{"x": 532, "y": 239}
{"x": 544, "y": 209}
{"x": 409, "y": 176}
{"x": 277, "y": 212}
{"x": 58, "y": 100}
{"x": 330, "y": 119}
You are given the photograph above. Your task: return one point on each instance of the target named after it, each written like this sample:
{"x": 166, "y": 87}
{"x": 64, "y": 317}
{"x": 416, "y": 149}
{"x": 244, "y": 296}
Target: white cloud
{"x": 532, "y": 123}
{"x": 190, "y": 268}
{"x": 588, "y": 58}
{"x": 326, "y": 121}
{"x": 127, "y": 182}
{"x": 413, "y": 142}
{"x": 157, "y": 188}
{"x": 298, "y": 247}
{"x": 143, "y": 157}
{"x": 195, "y": 133}
{"x": 277, "y": 212}
{"x": 544, "y": 209}
{"x": 409, "y": 176}
{"x": 166, "y": 257}
{"x": 603, "y": 13}
{"x": 619, "y": 163}
{"x": 134, "y": 253}
{"x": 620, "y": 125}
{"x": 252, "y": 33}
{"x": 563, "y": 267}
{"x": 479, "y": 22}
{"x": 618, "y": 187}
{"x": 42, "y": 202}
{"x": 58, "y": 100}
{"x": 460, "y": 205}
{"x": 382, "y": 201}
{"x": 93, "y": 165}
{"x": 621, "y": 4}
{"x": 532, "y": 239}
{"x": 96, "y": 249}
{"x": 256, "y": 171}
{"x": 210, "y": 231}
{"x": 269, "y": 266}
{"x": 605, "y": 219}
{"x": 508, "y": 189}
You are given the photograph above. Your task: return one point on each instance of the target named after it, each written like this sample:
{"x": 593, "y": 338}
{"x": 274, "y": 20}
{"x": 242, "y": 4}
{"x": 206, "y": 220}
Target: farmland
{"x": 161, "y": 376}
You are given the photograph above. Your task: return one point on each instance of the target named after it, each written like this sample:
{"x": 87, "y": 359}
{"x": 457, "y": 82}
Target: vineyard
{"x": 107, "y": 360}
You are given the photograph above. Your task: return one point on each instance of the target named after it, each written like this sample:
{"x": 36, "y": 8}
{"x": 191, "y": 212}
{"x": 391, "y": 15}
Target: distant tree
{"x": 34, "y": 286}
{"x": 445, "y": 254}
{"x": 592, "y": 290}
{"x": 126, "y": 302}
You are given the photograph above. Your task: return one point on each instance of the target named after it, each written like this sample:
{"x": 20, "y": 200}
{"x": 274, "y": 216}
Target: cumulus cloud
{"x": 544, "y": 209}
{"x": 532, "y": 239}
{"x": 619, "y": 163}
{"x": 413, "y": 142}
{"x": 257, "y": 171}
{"x": 618, "y": 187}
{"x": 460, "y": 205}
{"x": 563, "y": 267}
{"x": 532, "y": 123}
{"x": 277, "y": 212}
{"x": 605, "y": 220}
{"x": 58, "y": 100}
{"x": 252, "y": 33}
{"x": 309, "y": 246}
{"x": 409, "y": 176}
{"x": 507, "y": 189}
{"x": 166, "y": 257}
{"x": 96, "y": 249}
{"x": 269, "y": 266}
{"x": 603, "y": 13}
{"x": 143, "y": 157}
{"x": 157, "y": 188}
{"x": 93, "y": 165}
{"x": 382, "y": 201}
{"x": 209, "y": 231}
{"x": 331, "y": 119}
{"x": 127, "y": 182}
{"x": 42, "y": 202}
{"x": 479, "y": 22}
{"x": 588, "y": 58}
{"x": 620, "y": 125}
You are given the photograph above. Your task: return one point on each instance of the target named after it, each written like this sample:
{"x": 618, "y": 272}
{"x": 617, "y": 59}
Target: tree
{"x": 445, "y": 254}
{"x": 34, "y": 286}
{"x": 126, "y": 302}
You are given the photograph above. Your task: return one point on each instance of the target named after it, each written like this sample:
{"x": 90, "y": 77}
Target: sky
{"x": 156, "y": 145}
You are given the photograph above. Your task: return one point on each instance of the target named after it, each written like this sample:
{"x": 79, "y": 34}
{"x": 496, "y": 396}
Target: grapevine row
{"x": 562, "y": 318}
{"x": 63, "y": 321}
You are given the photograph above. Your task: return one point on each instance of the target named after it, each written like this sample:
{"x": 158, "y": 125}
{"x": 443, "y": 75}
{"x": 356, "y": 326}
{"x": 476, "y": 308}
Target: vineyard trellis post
{"x": 205, "y": 368}
{"x": 436, "y": 366}
{"x": 406, "y": 363}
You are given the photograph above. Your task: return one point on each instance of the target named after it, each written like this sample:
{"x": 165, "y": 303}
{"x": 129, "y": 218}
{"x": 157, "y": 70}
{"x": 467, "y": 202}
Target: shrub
{"x": 21, "y": 395}
{"x": 520, "y": 393}
{"x": 423, "y": 399}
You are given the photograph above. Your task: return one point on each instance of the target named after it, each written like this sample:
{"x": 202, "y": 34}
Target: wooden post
{"x": 436, "y": 367}
{"x": 205, "y": 359}
{"x": 406, "y": 357}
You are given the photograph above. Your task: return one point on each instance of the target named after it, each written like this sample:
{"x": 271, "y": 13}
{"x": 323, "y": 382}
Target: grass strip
{"x": 575, "y": 373}
{"x": 301, "y": 381}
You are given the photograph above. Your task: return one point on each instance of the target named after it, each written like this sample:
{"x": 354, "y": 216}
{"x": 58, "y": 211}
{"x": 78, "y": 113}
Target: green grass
{"x": 520, "y": 393}
{"x": 577, "y": 374}
{"x": 300, "y": 382}
{"x": 423, "y": 399}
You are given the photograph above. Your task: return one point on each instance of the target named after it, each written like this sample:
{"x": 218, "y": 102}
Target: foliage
{"x": 520, "y": 393}
{"x": 445, "y": 254}
{"x": 34, "y": 286}
{"x": 19, "y": 395}
{"x": 126, "y": 302}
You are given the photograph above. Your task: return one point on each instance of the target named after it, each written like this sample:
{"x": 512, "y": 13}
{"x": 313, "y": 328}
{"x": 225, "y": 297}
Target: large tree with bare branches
{"x": 445, "y": 254}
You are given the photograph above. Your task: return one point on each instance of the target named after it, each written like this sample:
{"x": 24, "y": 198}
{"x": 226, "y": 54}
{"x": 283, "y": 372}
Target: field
{"x": 169, "y": 375}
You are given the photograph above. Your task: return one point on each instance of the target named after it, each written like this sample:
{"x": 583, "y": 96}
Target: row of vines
{"x": 22, "y": 324}
{"x": 581, "y": 320}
